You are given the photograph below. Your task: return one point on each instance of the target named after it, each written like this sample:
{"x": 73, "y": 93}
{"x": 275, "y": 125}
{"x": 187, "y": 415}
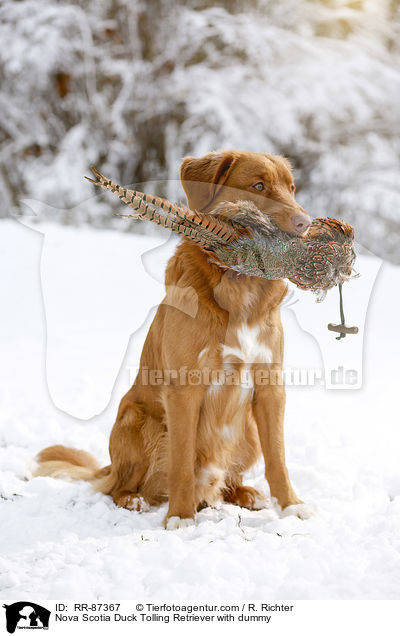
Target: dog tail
{"x": 70, "y": 463}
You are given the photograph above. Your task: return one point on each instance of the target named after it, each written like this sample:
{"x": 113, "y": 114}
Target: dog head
{"x": 232, "y": 175}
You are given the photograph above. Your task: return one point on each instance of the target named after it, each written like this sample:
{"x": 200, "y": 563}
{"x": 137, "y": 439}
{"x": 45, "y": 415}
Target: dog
{"x": 190, "y": 442}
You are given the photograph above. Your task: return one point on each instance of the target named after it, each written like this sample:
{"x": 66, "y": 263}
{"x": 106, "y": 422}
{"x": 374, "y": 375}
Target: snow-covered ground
{"x": 59, "y": 540}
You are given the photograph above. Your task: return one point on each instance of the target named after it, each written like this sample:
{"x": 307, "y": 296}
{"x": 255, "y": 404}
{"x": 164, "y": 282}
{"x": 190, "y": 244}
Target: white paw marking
{"x": 260, "y": 502}
{"x": 176, "y": 523}
{"x": 302, "y": 511}
{"x": 138, "y": 504}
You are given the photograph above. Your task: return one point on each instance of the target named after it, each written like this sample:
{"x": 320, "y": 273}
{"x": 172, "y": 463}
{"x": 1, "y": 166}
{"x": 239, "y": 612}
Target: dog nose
{"x": 301, "y": 223}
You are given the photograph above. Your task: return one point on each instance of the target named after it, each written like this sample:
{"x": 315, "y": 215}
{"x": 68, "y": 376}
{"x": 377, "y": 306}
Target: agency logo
{"x": 26, "y": 615}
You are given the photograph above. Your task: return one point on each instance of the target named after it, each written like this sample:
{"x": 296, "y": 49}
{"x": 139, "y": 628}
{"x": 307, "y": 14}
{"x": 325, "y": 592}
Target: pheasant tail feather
{"x": 206, "y": 230}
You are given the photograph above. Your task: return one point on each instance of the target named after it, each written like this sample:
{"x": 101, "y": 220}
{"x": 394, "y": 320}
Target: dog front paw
{"x": 176, "y": 523}
{"x": 300, "y": 510}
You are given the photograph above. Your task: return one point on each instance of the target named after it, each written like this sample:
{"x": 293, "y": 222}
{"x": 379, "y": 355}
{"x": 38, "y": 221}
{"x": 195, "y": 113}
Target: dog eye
{"x": 259, "y": 186}
{"x": 293, "y": 187}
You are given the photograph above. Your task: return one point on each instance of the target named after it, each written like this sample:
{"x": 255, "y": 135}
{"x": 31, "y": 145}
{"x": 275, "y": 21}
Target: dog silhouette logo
{"x": 26, "y": 615}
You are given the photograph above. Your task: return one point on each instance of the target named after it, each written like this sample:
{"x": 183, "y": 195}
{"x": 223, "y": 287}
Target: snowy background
{"x": 133, "y": 87}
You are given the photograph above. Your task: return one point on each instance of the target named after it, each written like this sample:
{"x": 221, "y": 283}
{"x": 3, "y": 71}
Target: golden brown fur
{"x": 186, "y": 442}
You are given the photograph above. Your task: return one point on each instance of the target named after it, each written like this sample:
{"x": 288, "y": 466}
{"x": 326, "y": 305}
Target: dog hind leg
{"x": 248, "y": 452}
{"x": 129, "y": 460}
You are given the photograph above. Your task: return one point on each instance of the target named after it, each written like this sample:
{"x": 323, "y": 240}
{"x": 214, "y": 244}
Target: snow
{"x": 87, "y": 296}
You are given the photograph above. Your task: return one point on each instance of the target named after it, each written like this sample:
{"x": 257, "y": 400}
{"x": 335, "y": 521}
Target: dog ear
{"x": 202, "y": 179}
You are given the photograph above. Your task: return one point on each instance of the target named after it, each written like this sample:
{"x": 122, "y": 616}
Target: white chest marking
{"x": 214, "y": 389}
{"x": 202, "y": 353}
{"x": 211, "y": 475}
{"x": 228, "y": 433}
{"x": 250, "y": 349}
